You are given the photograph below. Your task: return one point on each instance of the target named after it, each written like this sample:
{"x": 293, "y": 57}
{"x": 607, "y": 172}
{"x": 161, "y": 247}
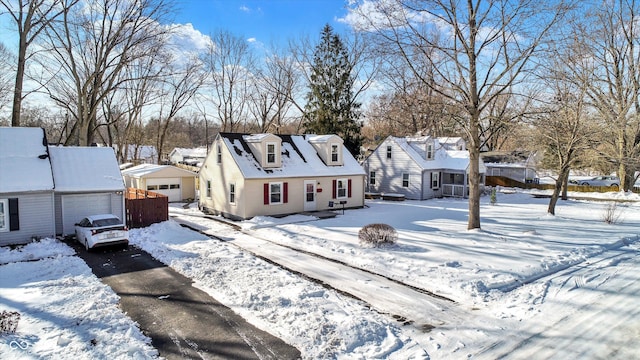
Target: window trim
{"x": 5, "y": 216}
{"x": 405, "y": 180}
{"x": 388, "y": 151}
{"x": 281, "y": 193}
{"x": 435, "y": 180}
{"x": 232, "y": 193}
{"x": 335, "y": 153}
{"x": 372, "y": 177}
{"x": 345, "y": 187}
{"x": 218, "y": 154}
{"x": 275, "y": 152}
{"x": 209, "y": 189}
{"x": 429, "y": 151}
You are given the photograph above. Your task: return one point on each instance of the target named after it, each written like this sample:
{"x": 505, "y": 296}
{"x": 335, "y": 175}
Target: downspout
{"x": 53, "y": 180}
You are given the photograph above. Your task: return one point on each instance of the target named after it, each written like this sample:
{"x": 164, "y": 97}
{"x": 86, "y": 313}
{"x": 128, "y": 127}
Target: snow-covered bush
{"x": 9, "y": 321}
{"x": 377, "y": 235}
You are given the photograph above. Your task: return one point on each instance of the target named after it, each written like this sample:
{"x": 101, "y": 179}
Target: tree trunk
{"x": 17, "y": 94}
{"x": 565, "y": 185}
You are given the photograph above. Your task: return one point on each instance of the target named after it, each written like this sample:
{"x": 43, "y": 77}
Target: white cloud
{"x": 251, "y": 40}
{"x": 187, "y": 38}
{"x": 245, "y": 8}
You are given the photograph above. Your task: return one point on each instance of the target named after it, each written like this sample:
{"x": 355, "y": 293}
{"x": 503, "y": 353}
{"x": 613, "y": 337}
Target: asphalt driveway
{"x": 183, "y": 322}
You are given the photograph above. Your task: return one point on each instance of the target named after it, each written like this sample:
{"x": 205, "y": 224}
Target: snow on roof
{"x": 24, "y": 163}
{"x": 147, "y": 169}
{"x": 321, "y": 138}
{"x": 85, "y": 169}
{"x": 200, "y": 152}
{"x": 299, "y": 159}
{"x": 443, "y": 158}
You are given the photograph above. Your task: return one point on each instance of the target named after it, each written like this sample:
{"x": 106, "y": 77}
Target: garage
{"x": 166, "y": 186}
{"x": 75, "y": 207}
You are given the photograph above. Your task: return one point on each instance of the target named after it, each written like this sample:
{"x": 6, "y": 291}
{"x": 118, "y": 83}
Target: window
{"x": 275, "y": 193}
{"x": 341, "y": 188}
{"x": 429, "y": 151}
{"x": 271, "y": 153}
{"x": 334, "y": 153}
{"x": 372, "y": 178}
{"x": 4, "y": 215}
{"x": 232, "y": 193}
{"x": 219, "y": 153}
{"x": 209, "y": 188}
{"x": 389, "y": 152}
{"x": 164, "y": 187}
{"x": 435, "y": 180}
{"x": 152, "y": 187}
{"x": 405, "y": 180}
{"x": 174, "y": 186}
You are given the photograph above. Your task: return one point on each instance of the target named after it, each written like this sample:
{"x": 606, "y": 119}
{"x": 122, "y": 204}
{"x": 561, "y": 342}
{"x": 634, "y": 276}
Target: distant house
{"x": 246, "y": 175}
{"x": 177, "y": 184}
{"x": 137, "y": 154}
{"x": 419, "y": 167}
{"x": 516, "y": 165}
{"x": 45, "y": 190}
{"x": 193, "y": 157}
{"x": 26, "y": 186}
{"x": 87, "y": 182}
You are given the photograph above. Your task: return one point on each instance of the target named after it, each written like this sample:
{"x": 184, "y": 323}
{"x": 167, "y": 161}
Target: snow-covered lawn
{"x": 65, "y": 311}
{"x": 526, "y": 285}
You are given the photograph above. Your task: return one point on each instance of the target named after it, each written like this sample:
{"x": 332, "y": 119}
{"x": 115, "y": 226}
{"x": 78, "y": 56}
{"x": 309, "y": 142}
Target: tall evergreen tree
{"x": 331, "y": 107}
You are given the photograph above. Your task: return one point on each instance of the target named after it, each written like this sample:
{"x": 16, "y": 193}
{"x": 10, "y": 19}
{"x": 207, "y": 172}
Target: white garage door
{"x": 167, "y": 186}
{"x": 76, "y": 207}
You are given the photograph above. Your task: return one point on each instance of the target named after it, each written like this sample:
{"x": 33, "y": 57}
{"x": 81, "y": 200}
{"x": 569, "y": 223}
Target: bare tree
{"x": 231, "y": 65}
{"x": 610, "y": 36}
{"x": 180, "y": 83}
{"x": 6, "y": 70}
{"x": 31, "y": 18}
{"x": 479, "y": 50}
{"x": 90, "y": 48}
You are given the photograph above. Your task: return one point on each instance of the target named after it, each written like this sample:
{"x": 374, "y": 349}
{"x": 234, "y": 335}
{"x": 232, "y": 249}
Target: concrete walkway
{"x": 183, "y": 322}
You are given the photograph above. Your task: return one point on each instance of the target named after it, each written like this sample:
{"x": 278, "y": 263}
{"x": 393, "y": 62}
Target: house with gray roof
{"x": 419, "y": 168}
{"x": 247, "y": 175}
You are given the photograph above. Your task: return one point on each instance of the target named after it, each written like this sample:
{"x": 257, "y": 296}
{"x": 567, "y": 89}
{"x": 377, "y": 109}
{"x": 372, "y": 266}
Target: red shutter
{"x": 335, "y": 187}
{"x": 349, "y": 188}
{"x": 266, "y": 193}
{"x": 285, "y": 191}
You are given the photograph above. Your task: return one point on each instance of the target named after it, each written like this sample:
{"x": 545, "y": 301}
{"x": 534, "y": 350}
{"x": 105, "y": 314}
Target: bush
{"x": 611, "y": 214}
{"x": 377, "y": 235}
{"x": 9, "y": 322}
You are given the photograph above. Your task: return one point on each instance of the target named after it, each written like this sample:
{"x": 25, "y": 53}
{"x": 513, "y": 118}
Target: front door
{"x": 310, "y": 195}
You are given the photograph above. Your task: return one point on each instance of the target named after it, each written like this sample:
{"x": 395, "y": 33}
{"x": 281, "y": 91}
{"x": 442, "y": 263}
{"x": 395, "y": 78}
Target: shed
{"x": 176, "y": 183}
{"x": 87, "y": 182}
{"x": 26, "y": 186}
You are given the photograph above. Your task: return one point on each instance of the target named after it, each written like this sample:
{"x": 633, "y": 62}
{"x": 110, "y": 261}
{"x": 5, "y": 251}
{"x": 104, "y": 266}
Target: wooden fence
{"x": 145, "y": 208}
{"x": 507, "y": 182}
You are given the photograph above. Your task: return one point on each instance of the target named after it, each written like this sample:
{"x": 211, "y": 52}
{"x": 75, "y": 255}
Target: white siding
{"x": 36, "y": 218}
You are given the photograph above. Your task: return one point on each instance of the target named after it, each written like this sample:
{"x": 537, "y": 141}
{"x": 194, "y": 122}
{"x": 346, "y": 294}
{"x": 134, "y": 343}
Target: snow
{"x": 20, "y": 151}
{"x": 79, "y": 169}
{"x": 527, "y": 284}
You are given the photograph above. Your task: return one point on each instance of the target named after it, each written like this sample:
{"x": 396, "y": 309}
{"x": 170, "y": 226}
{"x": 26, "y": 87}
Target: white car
{"x": 601, "y": 181}
{"x": 102, "y": 230}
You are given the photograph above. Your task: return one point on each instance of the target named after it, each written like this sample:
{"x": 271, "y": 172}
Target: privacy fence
{"x": 145, "y": 208}
{"x": 507, "y": 182}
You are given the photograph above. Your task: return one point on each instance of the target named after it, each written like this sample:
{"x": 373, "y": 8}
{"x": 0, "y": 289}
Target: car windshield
{"x": 107, "y": 222}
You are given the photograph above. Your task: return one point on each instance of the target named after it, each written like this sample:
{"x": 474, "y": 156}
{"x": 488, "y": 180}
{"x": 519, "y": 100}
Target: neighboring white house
{"x": 193, "y": 157}
{"x": 516, "y": 165}
{"x": 26, "y": 186}
{"x": 419, "y": 167}
{"x": 45, "y": 190}
{"x": 177, "y": 184}
{"x": 246, "y": 175}
{"x": 87, "y": 182}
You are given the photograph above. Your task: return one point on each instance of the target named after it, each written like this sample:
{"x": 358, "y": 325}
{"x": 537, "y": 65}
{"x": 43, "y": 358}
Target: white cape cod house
{"x": 247, "y": 175}
{"x": 420, "y": 167}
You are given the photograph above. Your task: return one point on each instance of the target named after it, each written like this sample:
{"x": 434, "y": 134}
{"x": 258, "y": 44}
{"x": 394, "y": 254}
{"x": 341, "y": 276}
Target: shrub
{"x": 9, "y": 321}
{"x": 611, "y": 214}
{"x": 377, "y": 235}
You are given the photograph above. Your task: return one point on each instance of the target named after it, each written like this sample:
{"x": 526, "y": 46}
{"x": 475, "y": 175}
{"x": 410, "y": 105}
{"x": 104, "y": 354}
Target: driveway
{"x": 182, "y": 321}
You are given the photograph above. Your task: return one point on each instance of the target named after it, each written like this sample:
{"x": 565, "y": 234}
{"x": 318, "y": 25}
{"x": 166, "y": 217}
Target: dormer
{"x": 267, "y": 148}
{"x": 425, "y": 145}
{"x": 329, "y": 148}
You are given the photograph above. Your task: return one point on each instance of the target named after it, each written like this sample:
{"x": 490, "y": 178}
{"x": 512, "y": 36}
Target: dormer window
{"x": 429, "y": 151}
{"x": 334, "y": 153}
{"x": 271, "y": 153}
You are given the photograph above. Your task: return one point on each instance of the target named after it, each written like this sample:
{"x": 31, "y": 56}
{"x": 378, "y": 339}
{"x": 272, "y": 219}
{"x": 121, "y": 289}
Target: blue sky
{"x": 265, "y": 21}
